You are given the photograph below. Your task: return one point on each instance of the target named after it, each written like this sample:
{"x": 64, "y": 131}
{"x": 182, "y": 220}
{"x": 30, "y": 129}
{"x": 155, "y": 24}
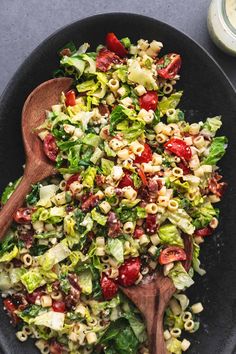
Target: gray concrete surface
{"x": 25, "y": 23}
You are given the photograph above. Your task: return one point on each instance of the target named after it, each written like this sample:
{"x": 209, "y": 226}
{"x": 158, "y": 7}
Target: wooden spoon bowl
{"x": 37, "y": 166}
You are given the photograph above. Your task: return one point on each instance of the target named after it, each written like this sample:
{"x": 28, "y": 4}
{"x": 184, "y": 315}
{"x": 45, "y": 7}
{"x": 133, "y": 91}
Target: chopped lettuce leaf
{"x": 141, "y": 76}
{"x": 116, "y": 249}
{"x": 32, "y": 280}
{"x": 137, "y": 326}
{"x": 8, "y": 256}
{"x": 106, "y": 166}
{"x": 173, "y": 346}
{"x": 75, "y": 63}
{"x": 53, "y": 256}
{"x": 180, "y": 277}
{"x": 91, "y": 139}
{"x": 99, "y": 218}
{"x": 217, "y": 151}
{"x": 170, "y": 235}
{"x": 212, "y": 125}
{"x": 181, "y": 219}
{"x": 85, "y": 282}
{"x": 196, "y": 261}
{"x": 50, "y": 319}
{"x": 171, "y": 102}
{"x": 9, "y": 190}
{"x": 203, "y": 214}
{"x": 89, "y": 176}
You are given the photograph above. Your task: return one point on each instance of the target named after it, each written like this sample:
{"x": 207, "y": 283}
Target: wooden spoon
{"x": 37, "y": 166}
{"x": 152, "y": 296}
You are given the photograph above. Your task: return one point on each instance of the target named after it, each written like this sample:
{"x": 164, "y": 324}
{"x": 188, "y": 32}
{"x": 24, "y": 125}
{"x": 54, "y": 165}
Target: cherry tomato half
{"x": 58, "y": 306}
{"x": 129, "y": 271}
{"x": 205, "y": 231}
{"x": 172, "y": 254}
{"x": 126, "y": 180}
{"x": 72, "y": 179}
{"x": 8, "y": 304}
{"x": 23, "y": 215}
{"x": 149, "y": 100}
{"x": 70, "y": 98}
{"x": 169, "y": 66}
{"x": 50, "y": 147}
{"x": 113, "y": 44}
{"x": 184, "y": 167}
{"x": 109, "y": 287}
{"x": 179, "y": 147}
{"x": 146, "y": 155}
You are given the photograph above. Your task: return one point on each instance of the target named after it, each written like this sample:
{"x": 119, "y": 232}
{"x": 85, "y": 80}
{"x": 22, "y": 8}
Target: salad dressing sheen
{"x": 230, "y": 6}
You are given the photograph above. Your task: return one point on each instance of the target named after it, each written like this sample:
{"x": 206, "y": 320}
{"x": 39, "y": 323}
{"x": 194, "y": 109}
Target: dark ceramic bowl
{"x": 207, "y": 92}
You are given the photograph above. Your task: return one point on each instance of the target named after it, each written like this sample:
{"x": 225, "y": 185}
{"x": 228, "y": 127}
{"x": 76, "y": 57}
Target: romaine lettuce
{"x": 180, "y": 277}
{"x": 116, "y": 249}
{"x": 171, "y": 102}
{"x": 170, "y": 235}
{"x": 217, "y": 151}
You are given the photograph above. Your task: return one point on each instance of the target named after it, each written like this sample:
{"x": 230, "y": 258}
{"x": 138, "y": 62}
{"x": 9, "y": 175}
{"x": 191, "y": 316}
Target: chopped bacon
{"x": 65, "y": 52}
{"x": 27, "y": 237}
{"x": 151, "y": 224}
{"x": 143, "y": 194}
{"x": 103, "y": 109}
{"x": 114, "y": 225}
{"x": 90, "y": 202}
{"x": 154, "y": 185}
{"x": 100, "y": 180}
{"x": 216, "y": 187}
{"x": 56, "y": 348}
{"x": 105, "y": 59}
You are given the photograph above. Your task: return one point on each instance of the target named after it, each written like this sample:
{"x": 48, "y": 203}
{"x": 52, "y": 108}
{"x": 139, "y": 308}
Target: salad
{"x": 135, "y": 193}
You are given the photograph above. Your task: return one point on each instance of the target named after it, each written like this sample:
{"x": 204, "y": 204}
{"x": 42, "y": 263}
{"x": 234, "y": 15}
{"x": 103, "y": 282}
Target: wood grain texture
{"x": 37, "y": 166}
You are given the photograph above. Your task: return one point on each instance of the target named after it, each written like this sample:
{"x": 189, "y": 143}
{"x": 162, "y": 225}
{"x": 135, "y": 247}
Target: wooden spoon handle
{"x": 155, "y": 328}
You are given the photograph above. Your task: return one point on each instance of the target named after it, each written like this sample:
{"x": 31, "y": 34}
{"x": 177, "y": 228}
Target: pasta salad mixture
{"x": 135, "y": 193}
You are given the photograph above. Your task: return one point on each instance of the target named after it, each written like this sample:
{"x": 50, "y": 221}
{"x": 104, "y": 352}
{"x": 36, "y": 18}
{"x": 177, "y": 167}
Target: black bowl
{"x": 207, "y": 92}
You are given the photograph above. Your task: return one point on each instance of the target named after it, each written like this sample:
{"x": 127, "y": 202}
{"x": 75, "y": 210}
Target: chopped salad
{"x": 135, "y": 193}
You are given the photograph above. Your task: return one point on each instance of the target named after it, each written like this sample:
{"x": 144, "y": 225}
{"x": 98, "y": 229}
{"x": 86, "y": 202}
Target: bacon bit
{"x": 154, "y": 185}
{"x": 114, "y": 225}
{"x": 215, "y": 187}
{"x": 143, "y": 194}
{"x": 103, "y": 109}
{"x": 27, "y": 237}
{"x": 105, "y": 59}
{"x": 56, "y": 348}
{"x": 100, "y": 180}
{"x": 65, "y": 52}
{"x": 91, "y": 202}
{"x": 142, "y": 176}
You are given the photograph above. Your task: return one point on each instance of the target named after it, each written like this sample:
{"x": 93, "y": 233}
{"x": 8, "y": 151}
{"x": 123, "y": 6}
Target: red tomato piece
{"x": 126, "y": 180}
{"x": 109, "y": 287}
{"x": 70, "y": 98}
{"x": 179, "y": 147}
{"x": 90, "y": 202}
{"x": 138, "y": 232}
{"x": 58, "y": 306}
{"x": 172, "y": 254}
{"x": 8, "y": 304}
{"x": 105, "y": 58}
{"x": 72, "y": 179}
{"x": 205, "y": 231}
{"x": 50, "y": 147}
{"x": 146, "y": 155}
{"x": 129, "y": 271}
{"x": 23, "y": 215}
{"x": 151, "y": 223}
{"x": 142, "y": 176}
{"x": 169, "y": 66}
{"x": 149, "y": 100}
{"x": 113, "y": 44}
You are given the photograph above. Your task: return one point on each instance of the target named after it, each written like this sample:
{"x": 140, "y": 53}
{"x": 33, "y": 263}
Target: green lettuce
{"x": 180, "y": 277}
{"x": 116, "y": 249}
{"x": 173, "y": 345}
{"x": 106, "y": 166}
{"x": 203, "y": 215}
{"x": 99, "y": 218}
{"x": 53, "y": 256}
{"x": 85, "y": 282}
{"x": 32, "y": 280}
{"x": 170, "y": 102}
{"x": 181, "y": 219}
{"x": 217, "y": 151}
{"x": 8, "y": 256}
{"x": 142, "y": 76}
{"x": 74, "y": 63}
{"x": 196, "y": 261}
{"x": 9, "y": 190}
{"x": 176, "y": 117}
{"x": 212, "y": 125}
{"x": 137, "y": 325}
{"x": 91, "y": 139}
{"x": 50, "y": 319}
{"x": 89, "y": 176}
{"x": 170, "y": 235}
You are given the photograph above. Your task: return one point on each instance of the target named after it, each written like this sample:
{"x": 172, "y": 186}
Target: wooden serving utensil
{"x": 152, "y": 295}
{"x": 37, "y": 166}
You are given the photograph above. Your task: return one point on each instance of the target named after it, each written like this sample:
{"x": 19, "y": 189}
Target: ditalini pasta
{"x": 134, "y": 193}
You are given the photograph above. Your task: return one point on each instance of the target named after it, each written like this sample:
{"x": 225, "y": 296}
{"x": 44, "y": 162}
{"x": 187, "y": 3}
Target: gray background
{"x": 25, "y": 23}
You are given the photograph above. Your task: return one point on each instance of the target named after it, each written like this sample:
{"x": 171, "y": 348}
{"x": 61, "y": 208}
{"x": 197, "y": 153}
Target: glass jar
{"x": 222, "y": 24}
